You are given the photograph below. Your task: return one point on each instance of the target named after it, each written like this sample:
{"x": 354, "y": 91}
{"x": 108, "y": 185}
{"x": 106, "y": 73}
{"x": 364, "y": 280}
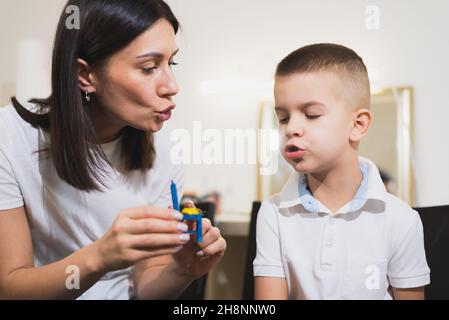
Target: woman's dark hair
{"x": 105, "y": 27}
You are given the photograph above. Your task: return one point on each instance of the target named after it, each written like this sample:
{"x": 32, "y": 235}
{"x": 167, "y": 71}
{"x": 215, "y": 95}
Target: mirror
{"x": 388, "y": 144}
{"x": 389, "y": 140}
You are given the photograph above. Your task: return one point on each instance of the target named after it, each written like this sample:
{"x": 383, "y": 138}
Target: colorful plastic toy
{"x": 193, "y": 214}
{"x": 196, "y": 215}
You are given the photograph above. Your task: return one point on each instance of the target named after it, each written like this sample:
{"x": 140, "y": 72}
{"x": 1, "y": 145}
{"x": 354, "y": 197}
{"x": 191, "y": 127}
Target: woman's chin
{"x": 150, "y": 126}
{"x": 156, "y": 126}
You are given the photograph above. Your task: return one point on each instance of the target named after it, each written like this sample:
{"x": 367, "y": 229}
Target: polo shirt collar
{"x": 296, "y": 192}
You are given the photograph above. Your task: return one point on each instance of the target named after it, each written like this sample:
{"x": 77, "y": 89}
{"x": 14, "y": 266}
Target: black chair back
{"x": 436, "y": 242}
{"x": 248, "y": 282}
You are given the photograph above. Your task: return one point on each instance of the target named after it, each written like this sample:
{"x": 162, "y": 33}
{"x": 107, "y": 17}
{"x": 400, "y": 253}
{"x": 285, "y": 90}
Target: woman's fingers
{"x": 213, "y": 242}
{"x": 153, "y": 212}
{"x": 158, "y": 240}
{"x": 151, "y": 230}
{"x": 142, "y": 226}
{"x": 153, "y": 220}
{"x": 138, "y": 255}
{"x": 207, "y": 225}
{"x": 215, "y": 247}
{"x": 209, "y": 236}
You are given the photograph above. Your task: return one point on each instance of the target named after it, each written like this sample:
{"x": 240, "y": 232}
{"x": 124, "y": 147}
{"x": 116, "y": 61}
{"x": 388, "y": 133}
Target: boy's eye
{"x": 283, "y": 120}
{"x": 172, "y": 63}
{"x": 312, "y": 116}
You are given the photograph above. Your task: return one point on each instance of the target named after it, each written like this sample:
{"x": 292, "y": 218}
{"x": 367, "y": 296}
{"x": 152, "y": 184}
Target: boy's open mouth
{"x": 293, "y": 152}
{"x": 292, "y": 148}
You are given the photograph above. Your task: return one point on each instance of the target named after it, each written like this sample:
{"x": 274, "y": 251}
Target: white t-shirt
{"x": 63, "y": 219}
{"x": 371, "y": 242}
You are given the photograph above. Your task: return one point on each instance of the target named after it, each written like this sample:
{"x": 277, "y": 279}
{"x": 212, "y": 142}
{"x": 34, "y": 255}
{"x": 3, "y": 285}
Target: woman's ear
{"x": 361, "y": 122}
{"x": 86, "y": 79}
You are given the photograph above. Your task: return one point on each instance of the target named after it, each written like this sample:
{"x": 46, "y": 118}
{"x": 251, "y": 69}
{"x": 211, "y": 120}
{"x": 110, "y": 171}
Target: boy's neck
{"x": 337, "y": 186}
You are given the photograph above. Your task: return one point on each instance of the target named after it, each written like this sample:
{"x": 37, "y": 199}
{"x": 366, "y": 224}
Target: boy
{"x": 333, "y": 232}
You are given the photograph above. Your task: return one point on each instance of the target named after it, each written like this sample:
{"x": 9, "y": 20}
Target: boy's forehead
{"x": 300, "y": 88}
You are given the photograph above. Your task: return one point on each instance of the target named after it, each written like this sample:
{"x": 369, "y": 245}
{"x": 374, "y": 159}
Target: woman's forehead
{"x": 159, "y": 39}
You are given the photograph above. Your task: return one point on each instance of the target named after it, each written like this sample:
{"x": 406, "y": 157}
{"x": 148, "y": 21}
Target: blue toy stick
{"x": 199, "y": 225}
{"x": 196, "y": 217}
{"x": 174, "y": 196}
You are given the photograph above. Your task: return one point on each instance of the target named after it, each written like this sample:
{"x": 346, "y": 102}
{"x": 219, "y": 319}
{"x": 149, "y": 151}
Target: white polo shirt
{"x": 371, "y": 242}
{"x": 63, "y": 219}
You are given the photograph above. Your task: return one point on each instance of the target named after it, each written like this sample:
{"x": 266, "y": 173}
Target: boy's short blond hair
{"x": 338, "y": 59}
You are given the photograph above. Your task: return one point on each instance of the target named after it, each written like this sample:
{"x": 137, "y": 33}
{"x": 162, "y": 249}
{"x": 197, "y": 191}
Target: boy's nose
{"x": 294, "y": 130}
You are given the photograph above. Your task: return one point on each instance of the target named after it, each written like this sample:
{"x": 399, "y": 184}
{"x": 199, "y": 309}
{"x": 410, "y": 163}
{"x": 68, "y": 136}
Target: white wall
{"x": 245, "y": 39}
{"x": 27, "y": 19}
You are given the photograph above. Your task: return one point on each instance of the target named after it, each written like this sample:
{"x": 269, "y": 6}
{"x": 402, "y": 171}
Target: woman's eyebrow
{"x": 155, "y": 54}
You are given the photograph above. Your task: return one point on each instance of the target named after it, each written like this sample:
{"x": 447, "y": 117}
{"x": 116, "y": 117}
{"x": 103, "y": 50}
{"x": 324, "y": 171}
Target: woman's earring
{"x": 87, "y": 97}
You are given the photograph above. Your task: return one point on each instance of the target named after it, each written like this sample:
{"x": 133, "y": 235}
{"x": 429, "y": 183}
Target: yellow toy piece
{"x": 191, "y": 211}
{"x": 195, "y": 214}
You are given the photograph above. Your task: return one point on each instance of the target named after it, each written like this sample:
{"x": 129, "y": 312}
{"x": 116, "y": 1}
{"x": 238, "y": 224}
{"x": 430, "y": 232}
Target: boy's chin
{"x": 300, "y": 165}
{"x": 304, "y": 165}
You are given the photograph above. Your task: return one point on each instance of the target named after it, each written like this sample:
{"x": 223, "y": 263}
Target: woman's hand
{"x": 196, "y": 259}
{"x": 138, "y": 234}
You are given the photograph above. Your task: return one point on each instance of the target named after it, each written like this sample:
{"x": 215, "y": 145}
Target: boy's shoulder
{"x": 399, "y": 213}
{"x": 269, "y": 208}
{"x": 270, "y": 205}
{"x": 275, "y": 199}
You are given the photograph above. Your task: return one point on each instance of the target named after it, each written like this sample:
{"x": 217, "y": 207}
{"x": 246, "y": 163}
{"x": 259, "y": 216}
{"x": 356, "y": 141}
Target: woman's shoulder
{"x": 9, "y": 115}
{"x": 7, "y": 125}
{"x": 6, "y": 114}
{"x": 14, "y": 131}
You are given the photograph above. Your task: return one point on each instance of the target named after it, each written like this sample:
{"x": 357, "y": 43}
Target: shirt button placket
{"x": 328, "y": 249}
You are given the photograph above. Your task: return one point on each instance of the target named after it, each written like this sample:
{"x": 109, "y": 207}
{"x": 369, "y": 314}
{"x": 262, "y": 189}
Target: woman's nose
{"x": 169, "y": 85}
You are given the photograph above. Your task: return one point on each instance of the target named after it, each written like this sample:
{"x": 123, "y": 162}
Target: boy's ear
{"x": 361, "y": 122}
{"x": 85, "y": 76}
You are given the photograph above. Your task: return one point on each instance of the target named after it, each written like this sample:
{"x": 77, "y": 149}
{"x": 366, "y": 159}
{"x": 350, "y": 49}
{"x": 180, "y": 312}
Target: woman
{"x": 84, "y": 184}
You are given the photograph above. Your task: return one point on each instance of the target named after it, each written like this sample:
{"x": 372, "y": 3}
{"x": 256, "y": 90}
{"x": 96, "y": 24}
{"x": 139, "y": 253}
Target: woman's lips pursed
{"x": 166, "y": 114}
